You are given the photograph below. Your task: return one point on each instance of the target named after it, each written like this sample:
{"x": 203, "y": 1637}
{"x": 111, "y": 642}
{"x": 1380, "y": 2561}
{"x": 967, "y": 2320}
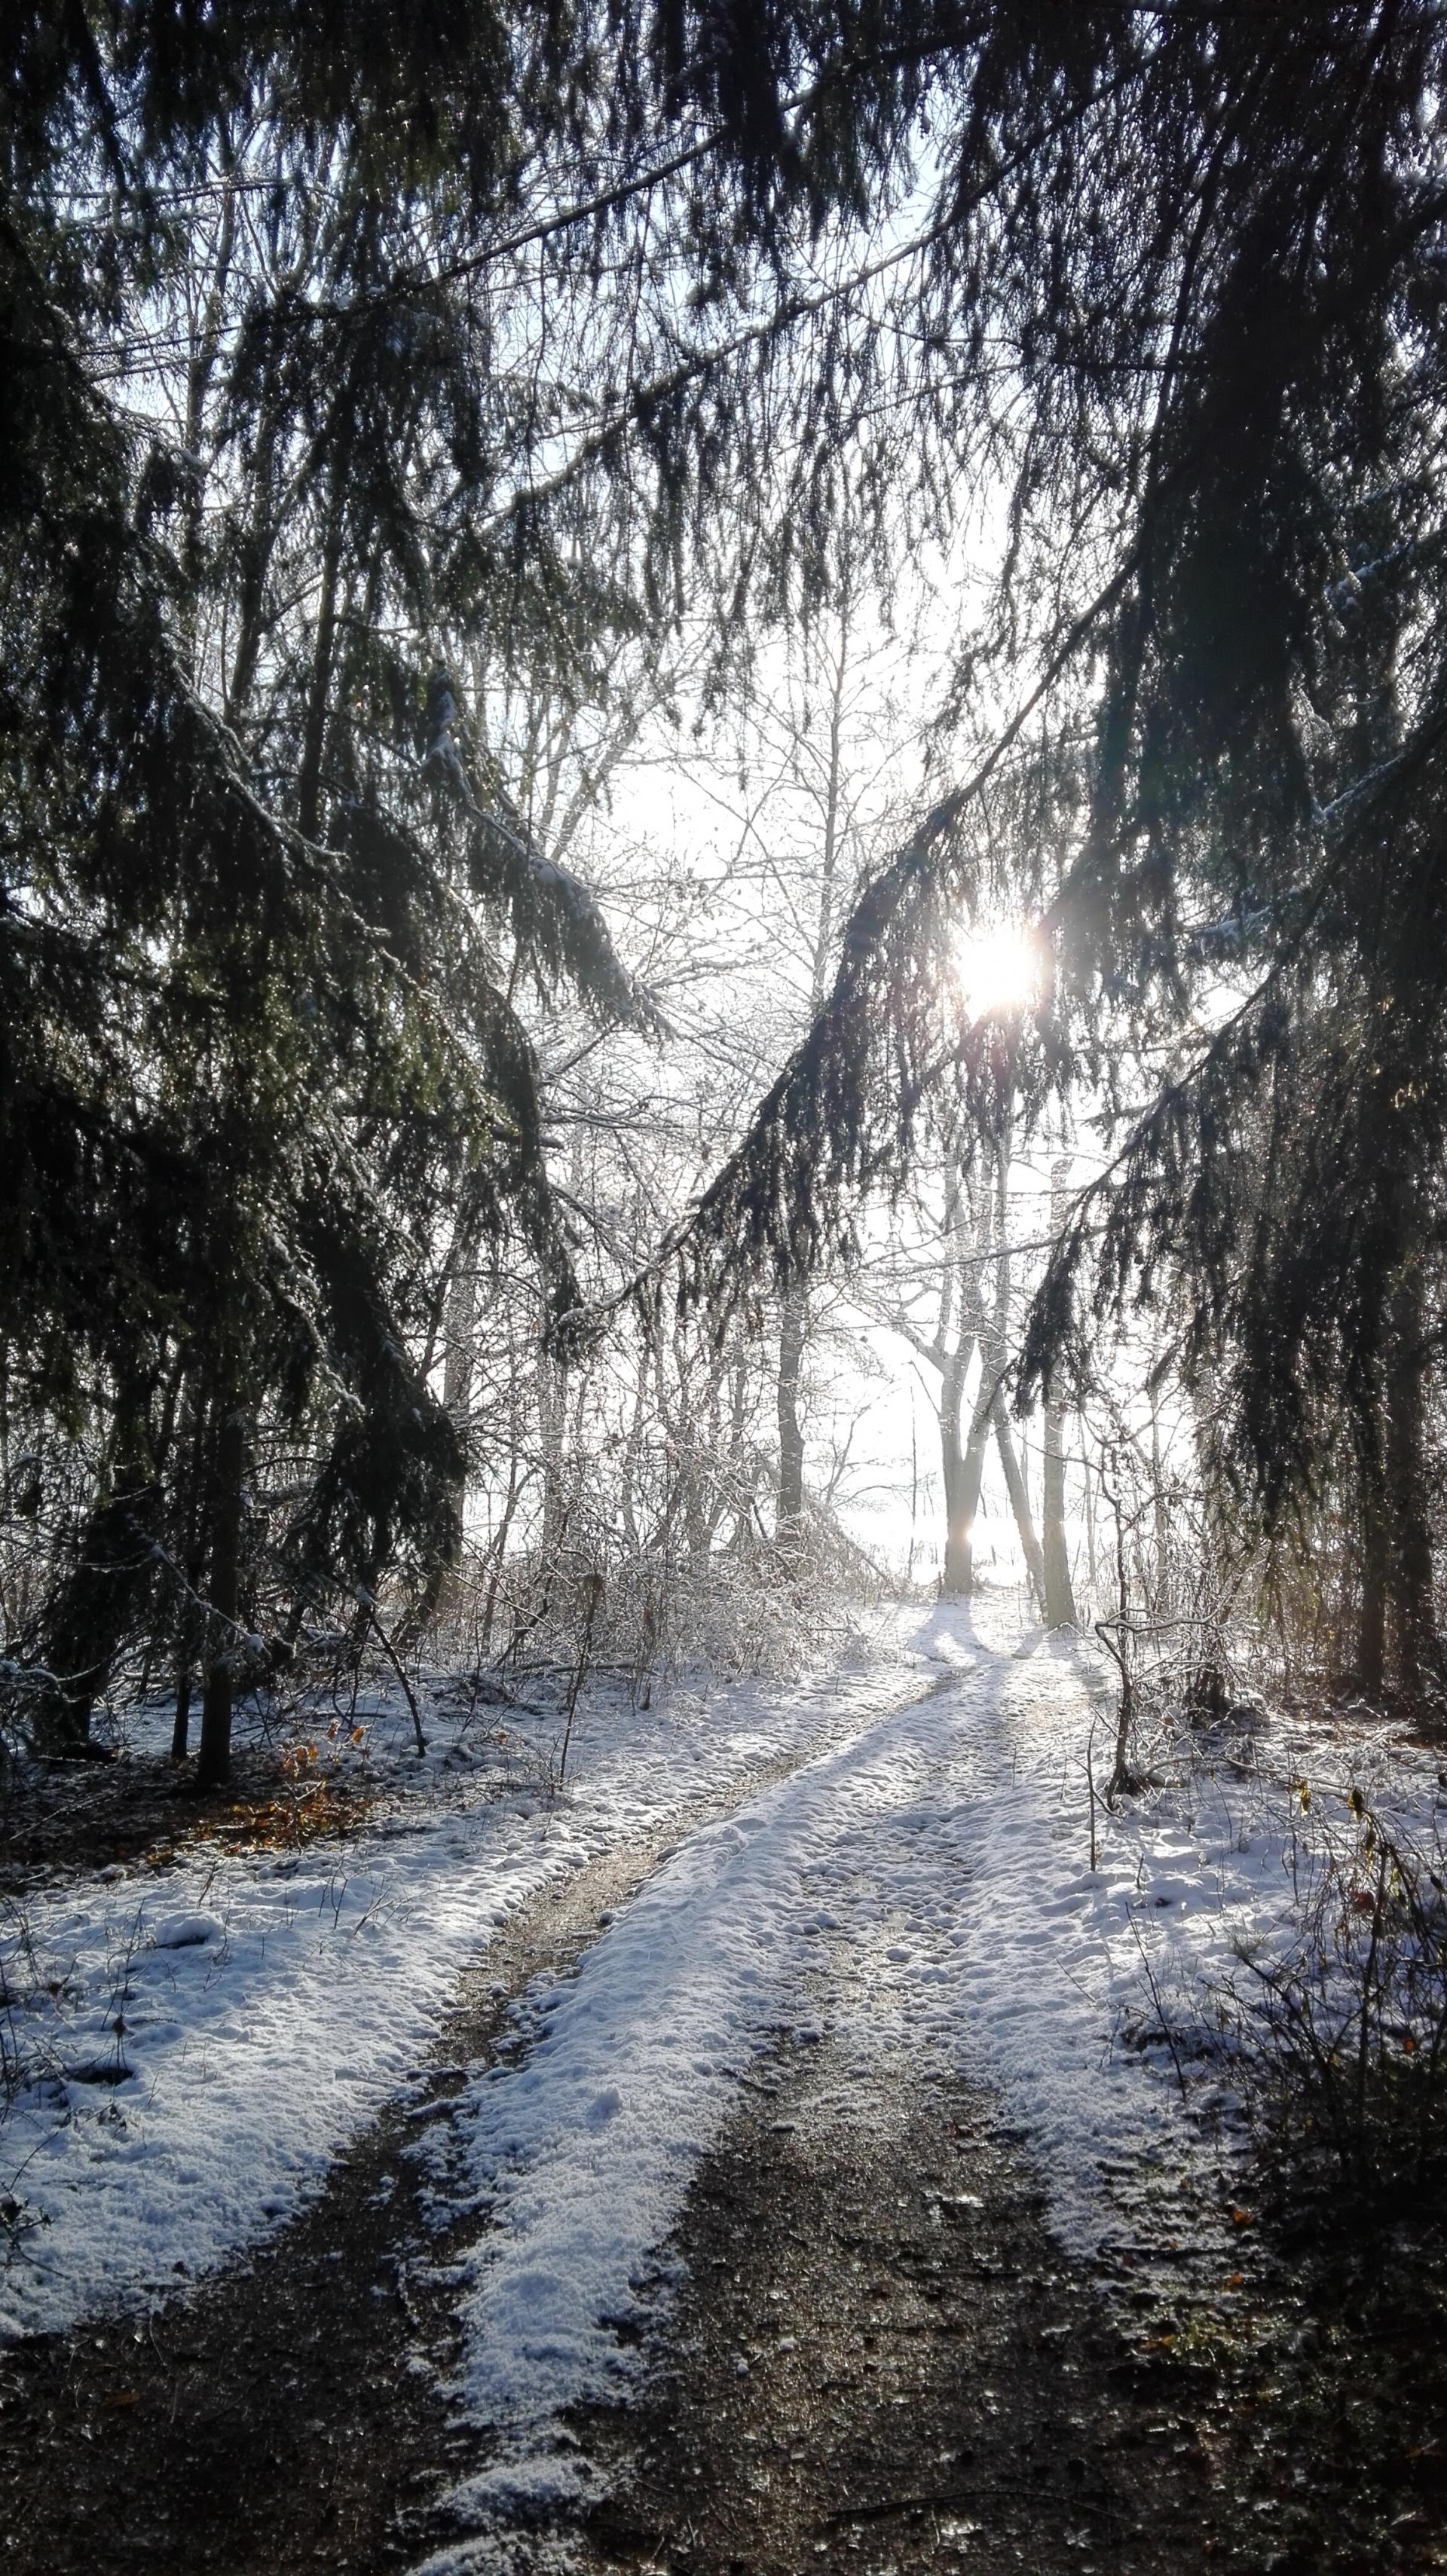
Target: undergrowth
{"x": 760, "y": 1611}
{"x": 1340, "y": 2034}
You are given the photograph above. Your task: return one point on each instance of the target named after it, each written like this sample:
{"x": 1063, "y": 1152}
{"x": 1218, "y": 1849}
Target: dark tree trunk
{"x": 1060, "y": 1609}
{"x": 318, "y": 705}
{"x": 224, "y": 1593}
{"x": 1376, "y": 1555}
{"x": 1413, "y": 1624}
{"x": 112, "y": 1571}
{"x": 193, "y": 1566}
{"x": 441, "y": 1592}
{"x": 181, "y": 1722}
{"x": 1397, "y": 1640}
{"x": 93, "y": 1610}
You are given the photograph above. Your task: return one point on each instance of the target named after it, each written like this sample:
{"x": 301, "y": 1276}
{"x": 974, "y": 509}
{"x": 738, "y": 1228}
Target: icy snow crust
{"x": 917, "y": 1887}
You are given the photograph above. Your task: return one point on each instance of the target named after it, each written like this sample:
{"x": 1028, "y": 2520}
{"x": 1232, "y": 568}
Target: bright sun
{"x": 998, "y": 965}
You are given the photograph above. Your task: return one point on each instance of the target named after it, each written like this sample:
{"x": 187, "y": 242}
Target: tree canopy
{"x": 349, "y": 357}
{"x": 1179, "y": 279}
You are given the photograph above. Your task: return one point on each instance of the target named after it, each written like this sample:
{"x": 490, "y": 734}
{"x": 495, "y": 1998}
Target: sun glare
{"x": 998, "y": 965}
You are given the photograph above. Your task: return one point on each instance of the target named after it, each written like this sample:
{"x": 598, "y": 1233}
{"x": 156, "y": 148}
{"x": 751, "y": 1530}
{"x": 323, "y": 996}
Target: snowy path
{"x": 195, "y": 2046}
{"x": 878, "y": 2348}
{"x": 915, "y": 1874}
{"x": 884, "y": 1877}
{"x": 919, "y": 1894}
{"x": 908, "y": 1890}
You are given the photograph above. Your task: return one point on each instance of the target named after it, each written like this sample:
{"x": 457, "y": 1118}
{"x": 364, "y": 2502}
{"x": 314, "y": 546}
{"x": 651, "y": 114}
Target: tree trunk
{"x": 962, "y": 1499}
{"x": 497, "y": 1549}
{"x": 1019, "y": 1503}
{"x": 193, "y": 1569}
{"x": 97, "y": 1602}
{"x": 1161, "y": 1520}
{"x": 440, "y": 1599}
{"x": 633, "y": 1453}
{"x": 741, "y": 1471}
{"x": 224, "y": 1593}
{"x": 1059, "y": 1597}
{"x": 552, "y": 1415}
{"x": 89, "y": 1620}
{"x": 794, "y": 1321}
{"x": 1372, "y": 1639}
{"x": 1413, "y": 1624}
{"x": 792, "y": 1326}
{"x": 990, "y": 1328}
{"x": 913, "y": 1492}
{"x": 319, "y": 690}
{"x": 971, "y": 1480}
{"x": 1060, "y": 1609}
{"x": 955, "y": 1459}
{"x": 181, "y": 1719}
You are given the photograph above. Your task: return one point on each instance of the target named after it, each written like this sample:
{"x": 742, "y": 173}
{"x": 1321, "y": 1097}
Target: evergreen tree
{"x": 325, "y": 342}
{"x": 262, "y": 918}
{"x": 1178, "y": 275}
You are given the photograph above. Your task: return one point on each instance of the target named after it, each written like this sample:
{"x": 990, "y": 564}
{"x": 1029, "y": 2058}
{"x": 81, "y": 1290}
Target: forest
{"x": 723, "y": 1229}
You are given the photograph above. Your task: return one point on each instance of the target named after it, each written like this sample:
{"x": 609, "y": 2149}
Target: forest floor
{"x": 705, "y": 2229}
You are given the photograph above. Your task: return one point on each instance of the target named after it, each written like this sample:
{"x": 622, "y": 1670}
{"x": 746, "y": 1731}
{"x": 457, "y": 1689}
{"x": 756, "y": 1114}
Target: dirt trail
{"x": 879, "y": 2360}
{"x": 286, "y": 2413}
{"x": 883, "y": 2359}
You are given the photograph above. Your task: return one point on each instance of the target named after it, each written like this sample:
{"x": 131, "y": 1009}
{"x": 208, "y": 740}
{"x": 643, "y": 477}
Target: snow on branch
{"x": 556, "y": 919}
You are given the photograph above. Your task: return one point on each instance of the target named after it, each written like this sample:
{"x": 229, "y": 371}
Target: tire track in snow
{"x": 918, "y": 1893}
{"x": 253, "y": 2055}
{"x": 329, "y": 2341}
{"x": 586, "y": 2149}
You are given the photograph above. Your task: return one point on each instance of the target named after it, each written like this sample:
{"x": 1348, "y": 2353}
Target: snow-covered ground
{"x": 921, "y": 1894}
{"x": 916, "y": 1884}
{"x": 259, "y": 2011}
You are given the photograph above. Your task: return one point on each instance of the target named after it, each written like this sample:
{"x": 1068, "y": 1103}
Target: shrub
{"x": 1341, "y": 2036}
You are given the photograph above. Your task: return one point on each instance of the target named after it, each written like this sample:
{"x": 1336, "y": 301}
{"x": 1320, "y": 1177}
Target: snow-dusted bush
{"x": 758, "y": 1609}
{"x": 1341, "y": 2032}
